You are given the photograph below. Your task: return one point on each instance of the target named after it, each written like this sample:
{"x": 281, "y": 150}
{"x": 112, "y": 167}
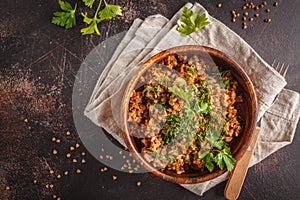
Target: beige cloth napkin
{"x": 279, "y": 108}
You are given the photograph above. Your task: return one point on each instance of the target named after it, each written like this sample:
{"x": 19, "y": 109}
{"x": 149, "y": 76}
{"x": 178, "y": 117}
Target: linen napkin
{"x": 279, "y": 107}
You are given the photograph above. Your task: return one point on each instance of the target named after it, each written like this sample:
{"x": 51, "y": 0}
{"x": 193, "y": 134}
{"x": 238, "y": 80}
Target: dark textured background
{"x": 38, "y": 64}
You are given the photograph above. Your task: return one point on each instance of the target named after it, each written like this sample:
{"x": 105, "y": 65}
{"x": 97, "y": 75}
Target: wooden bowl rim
{"x": 132, "y": 83}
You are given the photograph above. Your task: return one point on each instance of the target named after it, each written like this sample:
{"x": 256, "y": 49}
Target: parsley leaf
{"x": 185, "y": 95}
{"x": 219, "y": 160}
{"x": 65, "y": 19}
{"x": 88, "y": 3}
{"x": 228, "y": 159}
{"x": 191, "y": 22}
{"x": 107, "y": 13}
{"x": 110, "y": 11}
{"x": 65, "y": 5}
{"x": 223, "y": 158}
{"x": 173, "y": 124}
{"x": 219, "y": 144}
{"x": 92, "y": 28}
{"x": 208, "y": 163}
{"x": 201, "y": 107}
{"x": 203, "y": 155}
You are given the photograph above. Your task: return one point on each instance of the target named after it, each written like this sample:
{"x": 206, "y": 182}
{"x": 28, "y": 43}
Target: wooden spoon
{"x": 236, "y": 179}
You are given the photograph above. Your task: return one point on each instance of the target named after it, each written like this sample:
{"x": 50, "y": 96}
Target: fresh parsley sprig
{"x": 220, "y": 154}
{"x": 191, "y": 22}
{"x": 67, "y": 18}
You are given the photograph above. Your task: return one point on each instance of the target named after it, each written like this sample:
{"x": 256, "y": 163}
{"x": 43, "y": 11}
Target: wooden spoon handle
{"x": 236, "y": 179}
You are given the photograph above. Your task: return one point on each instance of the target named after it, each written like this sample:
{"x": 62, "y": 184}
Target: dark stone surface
{"x": 38, "y": 64}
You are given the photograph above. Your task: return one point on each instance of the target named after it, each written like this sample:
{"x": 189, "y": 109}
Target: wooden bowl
{"x": 248, "y": 111}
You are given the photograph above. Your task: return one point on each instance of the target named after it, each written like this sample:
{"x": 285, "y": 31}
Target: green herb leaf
{"x": 171, "y": 159}
{"x": 208, "y": 163}
{"x": 223, "y": 158}
{"x": 219, "y": 160}
{"x": 192, "y": 70}
{"x": 88, "y": 3}
{"x": 219, "y": 144}
{"x": 191, "y": 22}
{"x": 185, "y": 95}
{"x": 65, "y": 5}
{"x": 212, "y": 137}
{"x": 92, "y": 28}
{"x": 202, "y": 155}
{"x": 65, "y": 19}
{"x": 110, "y": 11}
{"x": 228, "y": 159}
{"x": 226, "y": 84}
{"x": 223, "y": 73}
{"x": 158, "y": 155}
{"x": 173, "y": 122}
{"x": 201, "y": 107}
